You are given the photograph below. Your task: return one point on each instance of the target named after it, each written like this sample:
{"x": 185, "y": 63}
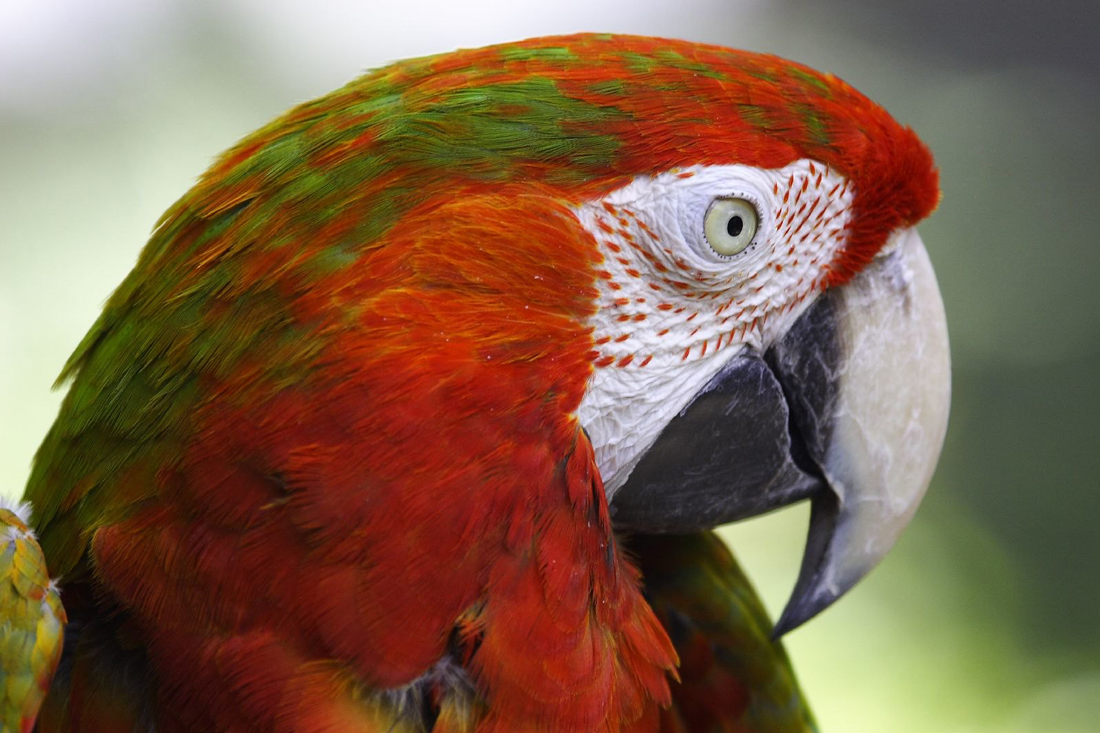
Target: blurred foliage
{"x": 983, "y": 617}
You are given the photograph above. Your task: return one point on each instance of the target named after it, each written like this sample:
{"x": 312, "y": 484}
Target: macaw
{"x": 31, "y": 621}
{"x": 417, "y": 411}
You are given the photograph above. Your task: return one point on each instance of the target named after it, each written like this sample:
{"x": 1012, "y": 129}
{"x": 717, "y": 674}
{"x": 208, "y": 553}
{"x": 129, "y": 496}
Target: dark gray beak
{"x": 848, "y": 409}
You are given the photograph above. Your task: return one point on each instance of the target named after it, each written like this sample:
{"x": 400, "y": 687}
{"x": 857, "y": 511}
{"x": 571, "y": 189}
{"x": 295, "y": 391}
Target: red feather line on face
{"x": 326, "y": 420}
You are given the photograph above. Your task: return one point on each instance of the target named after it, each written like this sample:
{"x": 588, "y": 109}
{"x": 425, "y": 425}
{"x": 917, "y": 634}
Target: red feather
{"x": 430, "y": 472}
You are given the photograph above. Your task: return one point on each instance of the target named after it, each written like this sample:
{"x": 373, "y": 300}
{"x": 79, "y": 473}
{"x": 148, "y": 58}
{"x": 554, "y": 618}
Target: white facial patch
{"x": 672, "y": 311}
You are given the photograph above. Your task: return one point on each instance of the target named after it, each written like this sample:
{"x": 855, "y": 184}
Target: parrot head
{"x": 766, "y": 326}
{"x": 769, "y": 328}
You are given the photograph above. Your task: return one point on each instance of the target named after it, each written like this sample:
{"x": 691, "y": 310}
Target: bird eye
{"x": 730, "y": 225}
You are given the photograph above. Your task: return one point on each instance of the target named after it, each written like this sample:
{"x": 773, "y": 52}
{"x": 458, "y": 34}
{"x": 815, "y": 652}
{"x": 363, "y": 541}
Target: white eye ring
{"x": 730, "y": 225}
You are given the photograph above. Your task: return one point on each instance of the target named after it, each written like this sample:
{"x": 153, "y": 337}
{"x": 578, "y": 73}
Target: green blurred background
{"x": 984, "y": 618}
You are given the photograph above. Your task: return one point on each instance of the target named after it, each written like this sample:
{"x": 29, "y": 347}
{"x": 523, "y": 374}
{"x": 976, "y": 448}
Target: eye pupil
{"x": 730, "y": 225}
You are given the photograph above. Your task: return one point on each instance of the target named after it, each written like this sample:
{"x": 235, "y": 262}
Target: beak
{"x": 848, "y": 409}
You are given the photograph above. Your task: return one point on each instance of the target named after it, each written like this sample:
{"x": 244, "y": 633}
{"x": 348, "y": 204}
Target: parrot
{"x": 419, "y": 410}
{"x": 31, "y": 621}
